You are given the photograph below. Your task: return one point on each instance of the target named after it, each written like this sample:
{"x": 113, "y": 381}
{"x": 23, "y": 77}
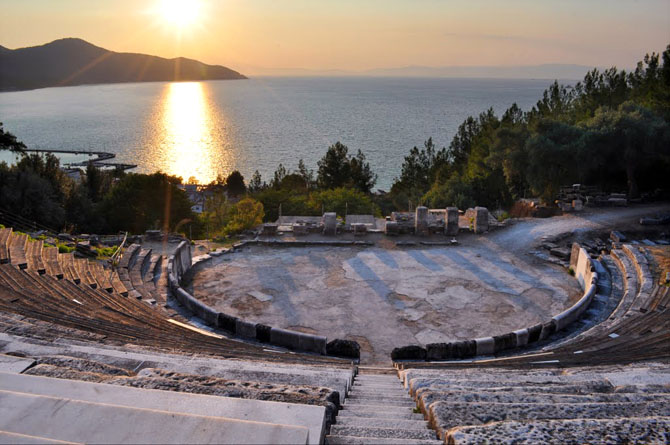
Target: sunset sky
{"x": 259, "y": 36}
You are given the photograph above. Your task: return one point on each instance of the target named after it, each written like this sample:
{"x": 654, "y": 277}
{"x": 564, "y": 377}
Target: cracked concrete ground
{"x": 386, "y": 298}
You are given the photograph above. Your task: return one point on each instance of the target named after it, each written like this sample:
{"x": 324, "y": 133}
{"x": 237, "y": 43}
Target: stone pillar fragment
{"x": 329, "y": 223}
{"x": 481, "y": 219}
{"x": 391, "y": 228}
{"x": 421, "y": 221}
{"x": 451, "y": 221}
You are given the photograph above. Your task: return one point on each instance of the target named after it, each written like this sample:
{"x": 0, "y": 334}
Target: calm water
{"x": 202, "y": 128}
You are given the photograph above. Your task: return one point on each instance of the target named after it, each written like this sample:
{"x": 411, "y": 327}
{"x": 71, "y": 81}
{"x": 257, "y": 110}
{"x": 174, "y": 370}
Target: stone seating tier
{"x": 638, "y": 327}
{"x": 491, "y": 403}
{"x": 114, "y": 316}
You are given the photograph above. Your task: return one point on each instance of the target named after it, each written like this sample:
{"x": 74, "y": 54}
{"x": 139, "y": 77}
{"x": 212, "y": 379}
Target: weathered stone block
{"x": 412, "y": 352}
{"x": 421, "y": 221}
{"x": 343, "y": 348}
{"x": 574, "y": 256}
{"x": 359, "y": 229}
{"x": 485, "y": 345}
{"x": 451, "y": 221}
{"x": 534, "y": 333}
{"x": 269, "y": 229}
{"x": 263, "y": 333}
{"x": 391, "y": 228}
{"x": 285, "y": 338}
{"x": 312, "y": 343}
{"x": 330, "y": 223}
{"x": 464, "y": 349}
{"x": 438, "y": 351}
{"x": 481, "y": 222}
{"x": 521, "y": 337}
{"x": 504, "y": 342}
{"x": 548, "y": 329}
{"x": 227, "y": 322}
{"x": 245, "y": 329}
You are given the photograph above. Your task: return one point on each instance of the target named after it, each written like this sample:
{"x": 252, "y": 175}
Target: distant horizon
{"x": 269, "y": 37}
{"x": 543, "y": 71}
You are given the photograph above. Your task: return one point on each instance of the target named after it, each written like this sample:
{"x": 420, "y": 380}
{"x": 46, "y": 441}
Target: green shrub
{"x": 64, "y": 248}
{"x": 105, "y": 251}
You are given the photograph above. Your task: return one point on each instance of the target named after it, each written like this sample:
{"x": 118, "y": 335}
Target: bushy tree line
{"x": 610, "y": 130}
{"x": 107, "y": 201}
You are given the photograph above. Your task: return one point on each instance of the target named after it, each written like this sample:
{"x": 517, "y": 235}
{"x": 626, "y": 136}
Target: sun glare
{"x": 179, "y": 13}
{"x": 190, "y": 140}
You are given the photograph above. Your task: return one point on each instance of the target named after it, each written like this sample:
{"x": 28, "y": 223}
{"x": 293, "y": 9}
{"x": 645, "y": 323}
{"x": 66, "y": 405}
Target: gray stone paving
{"x": 384, "y": 298}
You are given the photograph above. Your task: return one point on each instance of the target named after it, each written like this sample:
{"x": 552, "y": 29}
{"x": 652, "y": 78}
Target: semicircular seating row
{"x": 606, "y": 383}
{"x": 38, "y": 282}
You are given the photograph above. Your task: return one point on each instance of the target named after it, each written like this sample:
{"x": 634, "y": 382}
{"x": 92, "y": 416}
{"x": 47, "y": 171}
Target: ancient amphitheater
{"x": 348, "y": 336}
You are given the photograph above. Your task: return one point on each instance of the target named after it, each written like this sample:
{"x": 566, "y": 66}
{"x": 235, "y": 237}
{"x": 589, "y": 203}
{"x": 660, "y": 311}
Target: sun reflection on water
{"x": 191, "y": 128}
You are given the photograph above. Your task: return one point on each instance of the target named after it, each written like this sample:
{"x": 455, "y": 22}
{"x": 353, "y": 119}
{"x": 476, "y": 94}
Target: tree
{"x": 307, "y": 175}
{"x": 256, "y": 184}
{"x": 338, "y": 169}
{"x": 343, "y": 201}
{"x": 362, "y": 176}
{"x": 140, "y": 202}
{"x": 294, "y": 182}
{"x": 418, "y": 172}
{"x": 216, "y": 211}
{"x": 235, "y": 184}
{"x": 634, "y": 133}
{"x": 9, "y": 142}
{"x": 244, "y": 215}
{"x": 552, "y": 152}
{"x": 278, "y": 176}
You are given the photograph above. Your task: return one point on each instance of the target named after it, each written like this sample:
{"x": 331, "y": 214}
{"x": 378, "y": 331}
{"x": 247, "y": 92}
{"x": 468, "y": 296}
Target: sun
{"x": 179, "y": 13}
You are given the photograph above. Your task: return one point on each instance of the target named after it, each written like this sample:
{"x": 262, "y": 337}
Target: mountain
{"x": 67, "y": 62}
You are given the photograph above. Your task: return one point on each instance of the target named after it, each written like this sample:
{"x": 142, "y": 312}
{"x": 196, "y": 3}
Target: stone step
{"x": 408, "y": 403}
{"x": 14, "y": 438}
{"x": 369, "y": 388}
{"x": 391, "y": 387}
{"x": 12, "y": 364}
{"x": 388, "y": 394}
{"x": 429, "y": 396}
{"x": 547, "y": 389}
{"x": 353, "y": 440}
{"x": 383, "y": 423}
{"x": 379, "y": 398}
{"x": 372, "y": 370}
{"x": 308, "y": 416}
{"x": 390, "y": 415}
{"x": 631, "y": 430}
{"x": 448, "y": 415}
{"x": 377, "y": 378}
{"x": 382, "y": 433}
{"x": 77, "y": 421}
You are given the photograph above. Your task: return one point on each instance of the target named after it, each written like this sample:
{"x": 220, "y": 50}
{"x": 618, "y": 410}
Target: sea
{"x": 198, "y": 130}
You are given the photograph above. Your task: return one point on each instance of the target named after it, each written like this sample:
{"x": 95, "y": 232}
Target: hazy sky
{"x": 354, "y": 34}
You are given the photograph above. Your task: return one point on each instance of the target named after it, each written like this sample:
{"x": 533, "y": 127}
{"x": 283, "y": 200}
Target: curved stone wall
{"x": 584, "y": 270}
{"x": 180, "y": 263}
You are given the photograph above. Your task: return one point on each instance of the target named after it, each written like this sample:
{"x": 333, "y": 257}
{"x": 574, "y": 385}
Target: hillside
{"x": 67, "y": 62}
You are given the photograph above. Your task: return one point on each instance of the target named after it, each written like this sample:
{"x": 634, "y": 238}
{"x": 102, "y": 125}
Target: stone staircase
{"x": 378, "y": 410}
